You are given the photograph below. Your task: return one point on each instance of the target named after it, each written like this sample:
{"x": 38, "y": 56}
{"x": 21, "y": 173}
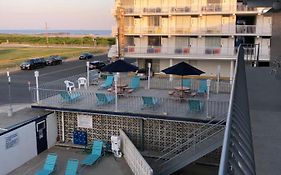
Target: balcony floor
{"x": 169, "y": 106}
{"x": 105, "y": 166}
{"x": 265, "y": 111}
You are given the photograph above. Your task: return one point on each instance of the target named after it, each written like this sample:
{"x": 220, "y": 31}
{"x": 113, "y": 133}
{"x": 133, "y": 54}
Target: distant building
{"x": 204, "y": 33}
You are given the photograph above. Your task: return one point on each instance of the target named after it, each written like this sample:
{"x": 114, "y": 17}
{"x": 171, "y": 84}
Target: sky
{"x": 58, "y": 14}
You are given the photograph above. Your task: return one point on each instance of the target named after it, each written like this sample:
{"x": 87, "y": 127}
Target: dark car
{"x": 143, "y": 73}
{"x": 96, "y": 65}
{"x": 86, "y": 56}
{"x": 53, "y": 60}
{"x": 33, "y": 64}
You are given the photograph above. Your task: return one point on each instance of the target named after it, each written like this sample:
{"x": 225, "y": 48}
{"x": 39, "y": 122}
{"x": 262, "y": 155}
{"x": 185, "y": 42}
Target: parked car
{"x": 143, "y": 73}
{"x": 53, "y": 60}
{"x": 86, "y": 56}
{"x": 33, "y": 64}
{"x": 96, "y": 65}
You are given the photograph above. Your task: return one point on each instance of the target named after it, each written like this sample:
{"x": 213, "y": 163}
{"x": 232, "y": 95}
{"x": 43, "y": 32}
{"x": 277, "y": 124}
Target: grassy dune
{"x": 11, "y": 57}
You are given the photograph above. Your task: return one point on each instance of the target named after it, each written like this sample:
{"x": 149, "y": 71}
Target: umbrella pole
{"x": 182, "y": 86}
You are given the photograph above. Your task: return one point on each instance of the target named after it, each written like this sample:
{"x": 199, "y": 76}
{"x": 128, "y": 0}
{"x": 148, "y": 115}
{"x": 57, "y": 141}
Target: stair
{"x": 192, "y": 149}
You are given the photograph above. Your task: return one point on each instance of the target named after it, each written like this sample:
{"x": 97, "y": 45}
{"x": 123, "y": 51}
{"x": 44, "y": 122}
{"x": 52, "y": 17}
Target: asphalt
{"x": 19, "y": 79}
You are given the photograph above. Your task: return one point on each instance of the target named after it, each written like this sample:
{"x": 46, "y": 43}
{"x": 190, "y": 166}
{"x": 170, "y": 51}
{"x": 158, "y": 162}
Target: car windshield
{"x": 26, "y": 62}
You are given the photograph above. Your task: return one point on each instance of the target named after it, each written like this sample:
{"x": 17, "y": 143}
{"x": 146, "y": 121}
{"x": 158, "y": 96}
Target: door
{"x": 267, "y": 25}
{"x": 265, "y": 47}
{"x": 41, "y": 135}
{"x": 164, "y": 45}
{"x": 137, "y": 25}
{"x": 193, "y": 45}
{"x": 194, "y": 5}
{"x": 225, "y": 25}
{"x": 164, "y": 24}
{"x": 194, "y": 25}
{"x": 225, "y": 47}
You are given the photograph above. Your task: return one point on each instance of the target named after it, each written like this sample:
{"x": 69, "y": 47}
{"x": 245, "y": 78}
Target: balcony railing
{"x": 191, "y": 51}
{"x": 237, "y": 155}
{"x": 187, "y": 30}
{"x": 209, "y": 8}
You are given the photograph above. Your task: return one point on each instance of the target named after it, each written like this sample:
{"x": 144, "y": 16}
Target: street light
{"x": 10, "y": 111}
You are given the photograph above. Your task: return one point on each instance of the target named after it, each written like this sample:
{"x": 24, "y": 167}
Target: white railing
{"x": 133, "y": 157}
{"x": 212, "y": 8}
{"x": 246, "y": 29}
{"x": 245, "y": 8}
{"x": 186, "y": 51}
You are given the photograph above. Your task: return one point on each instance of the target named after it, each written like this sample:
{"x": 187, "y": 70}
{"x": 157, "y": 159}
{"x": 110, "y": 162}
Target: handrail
{"x": 192, "y": 139}
{"x": 188, "y": 136}
{"x": 235, "y": 140}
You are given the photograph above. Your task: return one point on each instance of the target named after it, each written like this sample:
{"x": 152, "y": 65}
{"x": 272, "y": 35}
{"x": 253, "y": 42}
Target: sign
{"x": 12, "y": 140}
{"x": 84, "y": 121}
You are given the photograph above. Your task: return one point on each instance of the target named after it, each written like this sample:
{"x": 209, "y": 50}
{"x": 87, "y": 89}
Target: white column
{"x": 116, "y": 95}
{"x": 88, "y": 73}
{"x": 231, "y": 71}
{"x": 149, "y": 75}
{"x": 36, "y": 74}
{"x": 218, "y": 78}
{"x": 62, "y": 126}
{"x": 171, "y": 76}
{"x": 208, "y": 97}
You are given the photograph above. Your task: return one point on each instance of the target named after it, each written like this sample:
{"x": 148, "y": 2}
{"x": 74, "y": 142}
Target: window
{"x": 182, "y": 42}
{"x": 154, "y": 41}
{"x": 212, "y": 42}
{"x": 130, "y": 41}
{"x": 154, "y": 21}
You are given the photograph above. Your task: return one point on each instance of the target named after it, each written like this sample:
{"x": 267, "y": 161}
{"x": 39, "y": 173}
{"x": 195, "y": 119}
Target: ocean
{"x": 70, "y": 32}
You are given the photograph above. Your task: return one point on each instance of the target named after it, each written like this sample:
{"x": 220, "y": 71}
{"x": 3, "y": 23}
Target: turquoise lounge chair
{"x": 134, "y": 84}
{"x": 202, "y": 87}
{"x": 103, "y": 99}
{"x": 149, "y": 102}
{"x": 186, "y": 83}
{"x": 95, "y": 155}
{"x": 108, "y": 82}
{"x": 72, "y": 167}
{"x": 195, "y": 105}
{"x": 49, "y": 165}
{"x": 70, "y": 96}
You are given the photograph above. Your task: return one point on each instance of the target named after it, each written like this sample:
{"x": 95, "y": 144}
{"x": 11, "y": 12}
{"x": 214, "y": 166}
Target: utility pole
{"x": 47, "y": 37}
{"x": 120, "y": 31}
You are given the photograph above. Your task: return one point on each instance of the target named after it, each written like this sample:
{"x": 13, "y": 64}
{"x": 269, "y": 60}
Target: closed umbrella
{"x": 182, "y": 69}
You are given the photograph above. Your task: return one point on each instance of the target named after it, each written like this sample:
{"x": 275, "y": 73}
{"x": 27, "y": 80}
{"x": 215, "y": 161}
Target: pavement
{"x": 107, "y": 165}
{"x": 265, "y": 111}
{"x": 19, "y": 79}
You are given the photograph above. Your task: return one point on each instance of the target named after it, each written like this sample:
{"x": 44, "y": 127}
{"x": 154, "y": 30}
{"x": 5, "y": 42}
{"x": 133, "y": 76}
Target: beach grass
{"x": 13, "y": 56}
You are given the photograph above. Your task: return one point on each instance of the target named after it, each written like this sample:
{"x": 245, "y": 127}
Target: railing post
{"x": 36, "y": 74}
{"x": 116, "y": 91}
{"x": 208, "y": 97}
{"x": 88, "y": 73}
{"x": 149, "y": 75}
{"x": 10, "y": 111}
{"x": 218, "y": 78}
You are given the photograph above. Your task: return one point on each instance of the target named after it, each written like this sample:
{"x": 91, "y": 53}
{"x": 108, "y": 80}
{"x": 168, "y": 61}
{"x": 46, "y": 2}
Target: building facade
{"x": 204, "y": 33}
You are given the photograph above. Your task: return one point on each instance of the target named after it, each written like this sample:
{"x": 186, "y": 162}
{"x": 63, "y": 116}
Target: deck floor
{"x": 105, "y": 166}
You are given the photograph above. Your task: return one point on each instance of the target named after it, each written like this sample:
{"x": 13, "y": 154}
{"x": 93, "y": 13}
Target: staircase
{"x": 196, "y": 145}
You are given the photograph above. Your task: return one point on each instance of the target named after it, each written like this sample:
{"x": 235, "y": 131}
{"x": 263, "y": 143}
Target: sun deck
{"x": 169, "y": 106}
{"x": 105, "y": 166}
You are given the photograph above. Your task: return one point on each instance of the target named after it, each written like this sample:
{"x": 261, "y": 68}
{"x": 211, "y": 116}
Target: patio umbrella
{"x": 182, "y": 69}
{"x": 120, "y": 66}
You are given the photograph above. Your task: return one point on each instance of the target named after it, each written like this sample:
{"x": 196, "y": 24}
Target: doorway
{"x": 41, "y": 135}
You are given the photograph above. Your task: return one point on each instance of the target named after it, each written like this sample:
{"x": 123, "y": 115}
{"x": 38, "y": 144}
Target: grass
{"x": 13, "y": 56}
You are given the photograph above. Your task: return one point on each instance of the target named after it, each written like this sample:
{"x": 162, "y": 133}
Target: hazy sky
{"x": 59, "y": 14}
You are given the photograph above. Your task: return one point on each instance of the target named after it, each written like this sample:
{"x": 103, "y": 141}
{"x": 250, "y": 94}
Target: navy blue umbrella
{"x": 120, "y": 66}
{"x": 182, "y": 69}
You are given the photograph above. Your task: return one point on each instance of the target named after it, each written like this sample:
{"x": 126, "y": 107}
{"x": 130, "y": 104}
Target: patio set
{"x": 111, "y": 88}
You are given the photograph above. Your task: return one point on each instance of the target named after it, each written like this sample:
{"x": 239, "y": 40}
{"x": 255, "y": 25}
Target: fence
{"x": 133, "y": 157}
{"x": 237, "y": 155}
{"x": 168, "y": 106}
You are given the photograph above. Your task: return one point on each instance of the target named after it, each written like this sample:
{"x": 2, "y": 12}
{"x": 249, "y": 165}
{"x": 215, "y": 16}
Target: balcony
{"x": 167, "y": 52}
{"x": 168, "y": 105}
{"x": 245, "y": 9}
{"x": 253, "y": 30}
{"x": 212, "y": 8}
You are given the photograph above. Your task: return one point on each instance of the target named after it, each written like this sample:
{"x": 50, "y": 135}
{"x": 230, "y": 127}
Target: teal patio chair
{"x": 49, "y": 165}
{"x": 195, "y": 105}
{"x": 186, "y": 83}
{"x": 108, "y": 82}
{"x": 70, "y": 96}
{"x": 72, "y": 167}
{"x": 202, "y": 87}
{"x": 95, "y": 155}
{"x": 134, "y": 84}
{"x": 149, "y": 102}
{"x": 103, "y": 99}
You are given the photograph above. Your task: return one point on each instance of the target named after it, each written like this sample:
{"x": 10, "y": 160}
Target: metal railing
{"x": 166, "y": 106}
{"x": 237, "y": 155}
{"x": 133, "y": 157}
{"x": 191, "y": 139}
{"x": 187, "y": 51}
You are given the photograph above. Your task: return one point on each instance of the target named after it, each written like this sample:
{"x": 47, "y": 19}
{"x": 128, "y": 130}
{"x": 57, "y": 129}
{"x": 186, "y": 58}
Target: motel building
{"x": 203, "y": 33}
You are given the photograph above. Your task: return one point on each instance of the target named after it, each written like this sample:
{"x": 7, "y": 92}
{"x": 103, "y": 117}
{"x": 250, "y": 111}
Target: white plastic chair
{"x": 82, "y": 81}
{"x": 69, "y": 85}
